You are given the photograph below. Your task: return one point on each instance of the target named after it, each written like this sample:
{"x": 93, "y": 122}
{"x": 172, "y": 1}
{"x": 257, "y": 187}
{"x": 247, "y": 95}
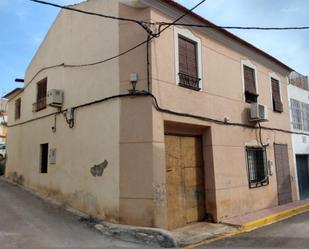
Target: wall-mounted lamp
{"x": 133, "y": 80}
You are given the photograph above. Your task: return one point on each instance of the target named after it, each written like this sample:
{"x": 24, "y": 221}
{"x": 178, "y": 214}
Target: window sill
{"x": 189, "y": 87}
{"x": 259, "y": 185}
{"x": 41, "y": 109}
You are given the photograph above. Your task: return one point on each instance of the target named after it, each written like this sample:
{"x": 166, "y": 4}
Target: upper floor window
{"x": 188, "y": 59}
{"x": 188, "y": 72}
{"x": 250, "y": 84}
{"x": 300, "y": 115}
{"x": 41, "y": 95}
{"x": 17, "y": 108}
{"x": 276, "y": 96}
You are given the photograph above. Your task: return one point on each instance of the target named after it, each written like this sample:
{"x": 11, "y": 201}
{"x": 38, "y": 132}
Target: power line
{"x": 87, "y": 12}
{"x": 145, "y": 23}
{"x": 182, "y": 16}
{"x": 235, "y": 27}
{"x": 115, "y": 56}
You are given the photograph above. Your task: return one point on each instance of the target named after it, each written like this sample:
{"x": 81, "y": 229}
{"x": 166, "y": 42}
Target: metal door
{"x": 283, "y": 173}
{"x": 303, "y": 175}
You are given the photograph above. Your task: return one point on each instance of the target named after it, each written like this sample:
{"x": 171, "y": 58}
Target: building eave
{"x": 13, "y": 93}
{"x": 229, "y": 34}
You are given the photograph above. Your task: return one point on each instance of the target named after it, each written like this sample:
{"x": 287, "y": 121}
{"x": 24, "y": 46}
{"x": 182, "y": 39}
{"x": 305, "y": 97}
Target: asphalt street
{"x": 292, "y": 233}
{"x": 28, "y": 222}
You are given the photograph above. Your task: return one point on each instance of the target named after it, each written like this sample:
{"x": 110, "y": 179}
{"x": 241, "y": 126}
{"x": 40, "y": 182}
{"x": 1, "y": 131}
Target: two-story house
{"x": 191, "y": 151}
{"x": 298, "y": 91}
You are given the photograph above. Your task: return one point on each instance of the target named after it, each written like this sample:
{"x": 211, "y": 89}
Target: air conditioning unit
{"x": 55, "y": 98}
{"x": 258, "y": 112}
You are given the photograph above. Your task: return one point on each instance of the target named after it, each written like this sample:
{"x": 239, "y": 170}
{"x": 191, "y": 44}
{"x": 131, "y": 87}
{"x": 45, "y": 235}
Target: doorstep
{"x": 267, "y": 216}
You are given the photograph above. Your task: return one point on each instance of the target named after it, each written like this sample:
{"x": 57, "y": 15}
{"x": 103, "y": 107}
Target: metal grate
{"x": 189, "y": 81}
{"x": 39, "y": 105}
{"x": 257, "y": 167}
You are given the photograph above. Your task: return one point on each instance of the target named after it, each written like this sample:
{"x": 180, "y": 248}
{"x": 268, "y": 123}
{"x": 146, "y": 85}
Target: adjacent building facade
{"x": 3, "y": 120}
{"x": 187, "y": 153}
{"x": 298, "y": 90}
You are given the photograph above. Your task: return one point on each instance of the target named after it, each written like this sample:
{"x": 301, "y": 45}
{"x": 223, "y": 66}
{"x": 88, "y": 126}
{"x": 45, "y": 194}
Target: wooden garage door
{"x": 184, "y": 180}
{"x": 283, "y": 173}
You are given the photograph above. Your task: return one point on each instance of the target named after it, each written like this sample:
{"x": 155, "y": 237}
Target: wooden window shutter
{"x": 275, "y": 87}
{"x": 191, "y": 59}
{"x": 187, "y": 57}
{"x": 42, "y": 89}
{"x": 41, "y": 95}
{"x": 249, "y": 77}
{"x": 182, "y": 47}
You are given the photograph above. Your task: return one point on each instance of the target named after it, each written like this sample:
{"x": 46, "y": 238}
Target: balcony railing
{"x": 39, "y": 105}
{"x": 189, "y": 81}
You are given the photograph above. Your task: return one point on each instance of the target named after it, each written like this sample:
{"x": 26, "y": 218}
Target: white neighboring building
{"x": 3, "y": 120}
{"x": 298, "y": 91}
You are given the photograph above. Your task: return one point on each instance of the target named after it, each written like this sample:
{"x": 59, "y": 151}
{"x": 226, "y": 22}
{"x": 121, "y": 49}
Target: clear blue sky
{"x": 24, "y": 25}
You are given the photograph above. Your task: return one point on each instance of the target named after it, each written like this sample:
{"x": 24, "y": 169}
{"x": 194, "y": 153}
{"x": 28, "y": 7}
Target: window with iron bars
{"x": 257, "y": 167}
{"x": 300, "y": 115}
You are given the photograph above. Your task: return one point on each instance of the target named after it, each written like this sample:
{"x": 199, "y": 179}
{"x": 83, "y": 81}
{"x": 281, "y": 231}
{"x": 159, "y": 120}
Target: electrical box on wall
{"x": 270, "y": 167}
{"x": 55, "y": 98}
{"x": 52, "y": 156}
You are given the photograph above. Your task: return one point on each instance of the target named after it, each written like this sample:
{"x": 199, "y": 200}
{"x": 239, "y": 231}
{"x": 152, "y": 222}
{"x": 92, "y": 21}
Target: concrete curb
{"x": 273, "y": 218}
{"x": 145, "y": 235}
{"x": 250, "y": 226}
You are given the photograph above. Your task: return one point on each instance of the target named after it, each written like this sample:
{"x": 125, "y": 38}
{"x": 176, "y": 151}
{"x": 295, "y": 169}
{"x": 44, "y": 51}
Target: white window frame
{"x": 248, "y": 63}
{"x": 188, "y": 34}
{"x": 275, "y": 77}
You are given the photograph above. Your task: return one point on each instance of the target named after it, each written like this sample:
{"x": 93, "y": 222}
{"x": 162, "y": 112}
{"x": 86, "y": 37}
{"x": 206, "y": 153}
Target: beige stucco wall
{"x": 228, "y": 194}
{"x": 74, "y": 39}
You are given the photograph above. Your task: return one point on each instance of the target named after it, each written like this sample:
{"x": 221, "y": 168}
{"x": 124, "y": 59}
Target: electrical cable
{"x": 235, "y": 27}
{"x": 85, "y": 65}
{"x": 113, "y": 57}
{"x": 148, "y": 63}
{"x": 155, "y": 102}
{"x": 182, "y": 16}
{"x": 143, "y": 23}
{"x": 163, "y": 110}
{"x": 89, "y": 12}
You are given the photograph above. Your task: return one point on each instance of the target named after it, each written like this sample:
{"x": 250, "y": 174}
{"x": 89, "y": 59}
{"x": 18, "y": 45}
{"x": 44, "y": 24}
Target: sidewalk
{"x": 204, "y": 233}
{"x": 267, "y": 216}
{"x": 200, "y": 233}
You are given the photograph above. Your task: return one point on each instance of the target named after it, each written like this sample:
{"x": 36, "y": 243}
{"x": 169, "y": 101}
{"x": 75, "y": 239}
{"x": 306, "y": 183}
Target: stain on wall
{"x": 97, "y": 170}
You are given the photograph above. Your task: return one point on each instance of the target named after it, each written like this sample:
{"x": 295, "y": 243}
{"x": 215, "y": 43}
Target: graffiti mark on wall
{"x": 98, "y": 170}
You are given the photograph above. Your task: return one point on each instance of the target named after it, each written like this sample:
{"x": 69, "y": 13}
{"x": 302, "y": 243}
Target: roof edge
{"x": 229, "y": 34}
{"x": 13, "y": 93}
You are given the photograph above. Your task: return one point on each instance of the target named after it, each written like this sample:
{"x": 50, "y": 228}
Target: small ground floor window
{"x": 44, "y": 159}
{"x": 257, "y": 167}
